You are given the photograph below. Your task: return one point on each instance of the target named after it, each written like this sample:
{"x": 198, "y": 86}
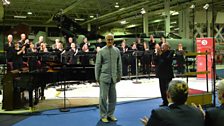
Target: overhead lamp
{"x": 192, "y": 6}
{"x": 143, "y": 11}
{"x": 174, "y": 13}
{"x": 206, "y": 6}
{"x": 79, "y": 19}
{"x": 91, "y": 16}
{"x": 116, "y": 5}
{"x": 17, "y": 16}
{"x": 124, "y": 22}
{"x": 131, "y": 26}
{"x": 30, "y": 13}
{"x": 5, "y": 2}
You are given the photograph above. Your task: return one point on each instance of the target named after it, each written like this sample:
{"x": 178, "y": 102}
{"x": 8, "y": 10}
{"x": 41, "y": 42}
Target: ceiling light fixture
{"x": 23, "y": 17}
{"x": 124, "y": 22}
{"x": 143, "y": 11}
{"x": 206, "y": 6}
{"x": 5, "y": 2}
{"x": 192, "y": 6}
{"x": 91, "y": 16}
{"x": 116, "y": 5}
{"x": 30, "y": 13}
{"x": 79, "y": 19}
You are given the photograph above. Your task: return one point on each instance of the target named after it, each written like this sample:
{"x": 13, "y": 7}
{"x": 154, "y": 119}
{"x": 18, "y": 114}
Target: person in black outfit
{"x": 164, "y": 69}
{"x": 124, "y": 56}
{"x": 73, "y": 54}
{"x": 180, "y": 61}
{"x": 99, "y": 44}
{"x": 177, "y": 113}
{"x": 84, "y": 47}
{"x": 9, "y": 48}
{"x": 33, "y": 59}
{"x": 133, "y": 50}
{"x": 18, "y": 56}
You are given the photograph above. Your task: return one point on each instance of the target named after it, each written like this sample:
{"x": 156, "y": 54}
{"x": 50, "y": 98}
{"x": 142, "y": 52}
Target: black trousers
{"x": 163, "y": 85}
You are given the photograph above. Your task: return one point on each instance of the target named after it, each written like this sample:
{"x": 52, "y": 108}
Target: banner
{"x": 203, "y": 45}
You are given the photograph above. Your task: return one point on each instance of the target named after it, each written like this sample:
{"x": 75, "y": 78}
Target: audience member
{"x": 177, "y": 113}
{"x": 215, "y": 116}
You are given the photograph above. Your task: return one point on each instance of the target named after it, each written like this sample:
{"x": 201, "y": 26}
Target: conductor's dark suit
{"x": 164, "y": 71}
{"x": 176, "y": 115}
{"x": 215, "y": 116}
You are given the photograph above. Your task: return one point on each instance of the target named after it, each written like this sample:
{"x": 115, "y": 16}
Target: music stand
{"x": 136, "y": 68}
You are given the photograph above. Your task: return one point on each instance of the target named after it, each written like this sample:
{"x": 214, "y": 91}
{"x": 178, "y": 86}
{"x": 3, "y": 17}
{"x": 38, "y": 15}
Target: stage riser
{"x": 202, "y": 99}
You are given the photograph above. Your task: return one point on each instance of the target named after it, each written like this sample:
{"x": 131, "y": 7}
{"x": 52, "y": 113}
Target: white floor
{"x": 126, "y": 89}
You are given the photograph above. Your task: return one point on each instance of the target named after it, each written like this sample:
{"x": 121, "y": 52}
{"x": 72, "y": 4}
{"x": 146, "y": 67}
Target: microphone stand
{"x": 64, "y": 109}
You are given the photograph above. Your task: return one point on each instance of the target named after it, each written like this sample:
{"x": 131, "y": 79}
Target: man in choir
{"x": 9, "y": 47}
{"x": 22, "y": 40}
{"x": 40, "y": 41}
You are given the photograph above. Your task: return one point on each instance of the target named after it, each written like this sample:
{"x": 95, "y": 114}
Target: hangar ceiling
{"x": 99, "y": 13}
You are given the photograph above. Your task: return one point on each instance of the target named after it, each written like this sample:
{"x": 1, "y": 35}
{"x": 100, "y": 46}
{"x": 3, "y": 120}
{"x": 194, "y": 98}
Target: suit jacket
{"x": 176, "y": 115}
{"x": 164, "y": 66}
{"x": 215, "y": 116}
{"x": 108, "y": 66}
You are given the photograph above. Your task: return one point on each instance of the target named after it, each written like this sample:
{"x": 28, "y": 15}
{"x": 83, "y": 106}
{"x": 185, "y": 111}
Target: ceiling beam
{"x": 67, "y": 9}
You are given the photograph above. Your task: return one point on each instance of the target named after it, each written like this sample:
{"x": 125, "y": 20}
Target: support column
{"x": 146, "y": 23}
{"x": 183, "y": 20}
{"x": 88, "y": 27}
{"x": 167, "y": 16}
{"x": 1, "y": 12}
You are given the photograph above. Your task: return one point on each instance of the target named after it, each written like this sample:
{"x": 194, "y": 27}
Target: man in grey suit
{"x": 177, "y": 113}
{"x": 215, "y": 116}
{"x": 108, "y": 71}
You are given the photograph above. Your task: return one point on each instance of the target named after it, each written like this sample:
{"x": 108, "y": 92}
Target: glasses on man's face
{"x": 110, "y": 39}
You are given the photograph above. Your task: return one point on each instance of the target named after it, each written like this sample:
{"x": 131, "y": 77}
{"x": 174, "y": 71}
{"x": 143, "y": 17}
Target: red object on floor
{"x": 195, "y": 91}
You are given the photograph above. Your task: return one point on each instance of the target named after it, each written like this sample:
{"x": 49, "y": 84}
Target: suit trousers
{"x": 163, "y": 84}
{"x": 108, "y": 98}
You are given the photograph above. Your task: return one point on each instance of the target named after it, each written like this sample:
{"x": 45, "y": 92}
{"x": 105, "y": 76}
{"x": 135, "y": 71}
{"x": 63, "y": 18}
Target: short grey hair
{"x": 220, "y": 86}
{"x": 178, "y": 91}
{"x": 110, "y": 34}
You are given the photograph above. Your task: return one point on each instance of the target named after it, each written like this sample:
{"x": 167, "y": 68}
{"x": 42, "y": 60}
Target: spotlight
{"x": 206, "y": 6}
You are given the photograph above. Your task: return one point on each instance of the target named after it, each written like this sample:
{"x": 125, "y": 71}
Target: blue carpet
{"x": 128, "y": 114}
